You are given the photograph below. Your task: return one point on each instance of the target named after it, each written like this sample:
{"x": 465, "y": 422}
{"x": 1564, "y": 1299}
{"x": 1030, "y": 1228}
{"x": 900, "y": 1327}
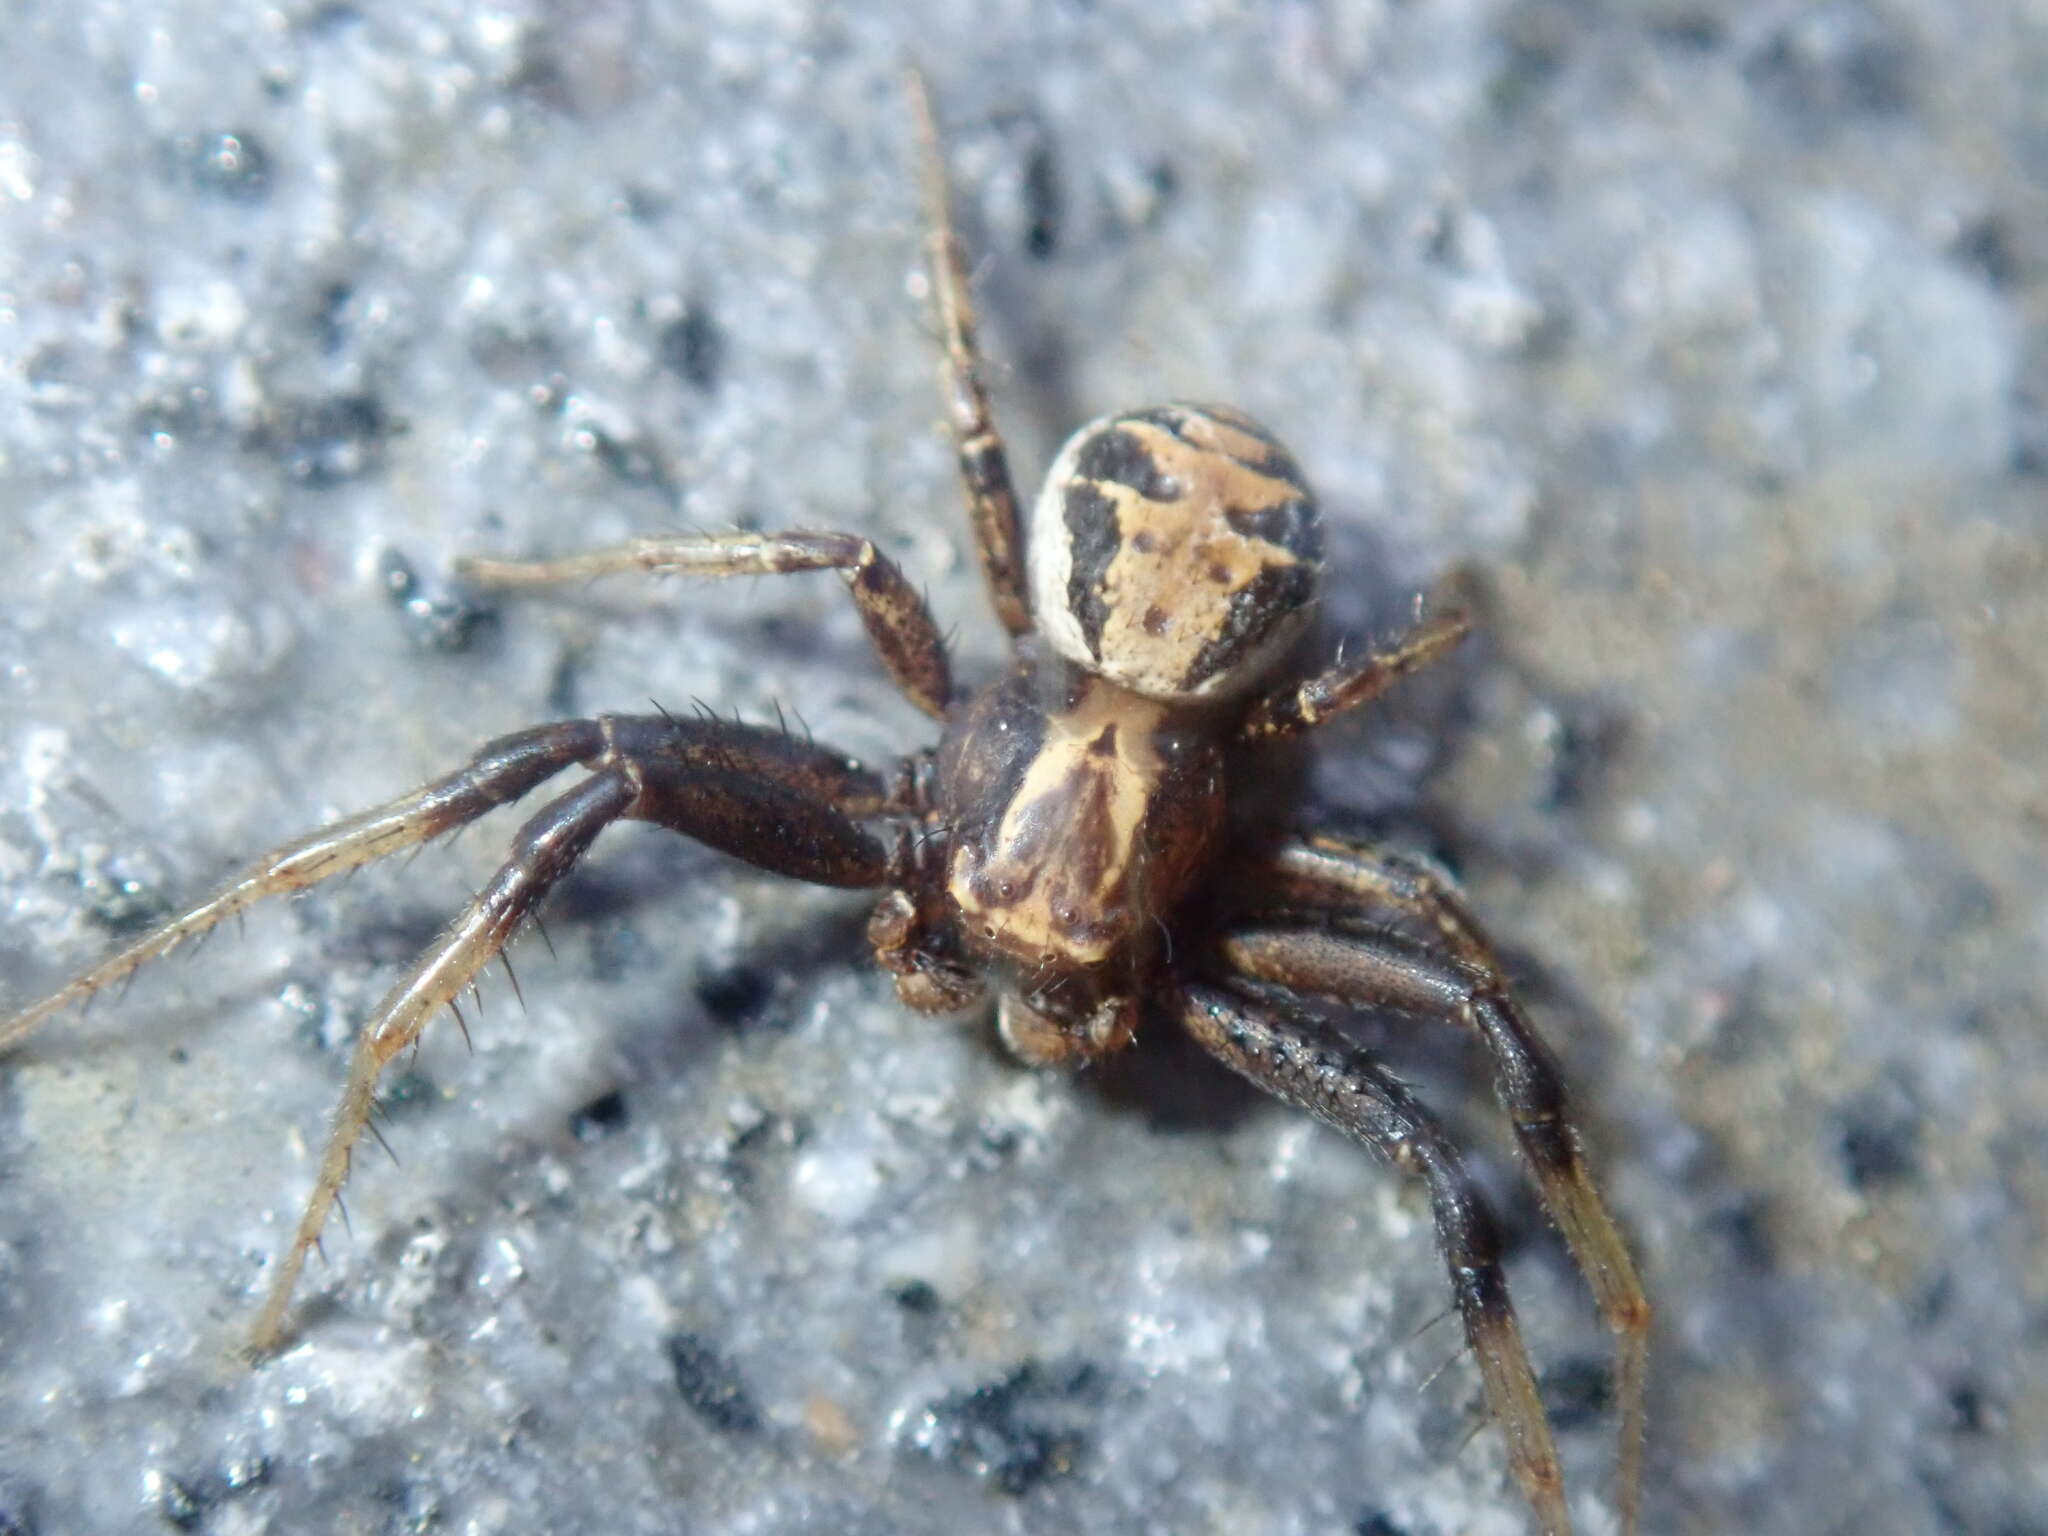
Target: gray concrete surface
{"x": 1708, "y": 345}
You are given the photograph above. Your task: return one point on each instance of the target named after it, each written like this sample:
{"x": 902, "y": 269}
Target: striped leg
{"x": 898, "y": 623}
{"x": 501, "y": 771}
{"x": 1286, "y": 1057}
{"x": 984, "y": 467}
{"x": 783, "y": 805}
{"x": 1340, "y": 879}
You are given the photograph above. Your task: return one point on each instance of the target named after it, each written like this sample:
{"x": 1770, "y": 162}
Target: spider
{"x": 1071, "y": 845}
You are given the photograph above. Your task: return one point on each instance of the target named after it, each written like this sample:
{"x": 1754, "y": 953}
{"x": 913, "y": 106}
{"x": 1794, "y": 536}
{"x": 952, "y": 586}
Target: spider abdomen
{"x": 1175, "y": 551}
{"x": 1080, "y": 813}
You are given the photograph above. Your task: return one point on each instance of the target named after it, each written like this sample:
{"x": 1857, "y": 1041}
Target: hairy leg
{"x": 501, "y": 771}
{"x": 1290, "y": 1060}
{"x": 898, "y": 623}
{"x": 984, "y": 466}
{"x": 780, "y": 804}
{"x": 544, "y": 850}
{"x": 1302, "y": 706}
{"x": 1459, "y": 977}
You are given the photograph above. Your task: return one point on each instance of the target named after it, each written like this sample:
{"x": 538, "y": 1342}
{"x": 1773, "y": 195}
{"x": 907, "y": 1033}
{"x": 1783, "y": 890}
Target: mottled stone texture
{"x": 1706, "y": 344}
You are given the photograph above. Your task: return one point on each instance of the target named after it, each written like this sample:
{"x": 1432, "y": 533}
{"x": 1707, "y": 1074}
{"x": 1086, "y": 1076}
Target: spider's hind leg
{"x": 1285, "y": 1056}
{"x": 544, "y": 850}
{"x": 1456, "y": 976}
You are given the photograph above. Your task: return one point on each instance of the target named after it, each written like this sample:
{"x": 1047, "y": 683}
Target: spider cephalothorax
{"x": 1067, "y": 845}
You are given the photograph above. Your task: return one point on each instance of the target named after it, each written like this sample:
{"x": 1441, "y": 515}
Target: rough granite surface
{"x": 1706, "y": 346}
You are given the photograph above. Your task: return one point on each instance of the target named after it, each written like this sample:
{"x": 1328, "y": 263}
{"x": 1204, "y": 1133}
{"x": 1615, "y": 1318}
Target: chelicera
{"x": 1073, "y": 846}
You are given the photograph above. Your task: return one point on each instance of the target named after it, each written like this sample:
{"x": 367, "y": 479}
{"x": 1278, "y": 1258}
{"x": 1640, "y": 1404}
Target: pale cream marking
{"x": 1180, "y": 564}
{"x": 1158, "y": 619}
{"x": 1224, "y": 431}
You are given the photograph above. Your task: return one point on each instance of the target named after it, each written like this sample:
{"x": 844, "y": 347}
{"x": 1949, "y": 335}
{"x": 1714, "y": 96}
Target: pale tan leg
{"x": 898, "y": 623}
{"x": 984, "y": 465}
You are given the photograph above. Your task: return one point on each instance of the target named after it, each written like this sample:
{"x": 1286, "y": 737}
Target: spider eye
{"x": 1175, "y": 551}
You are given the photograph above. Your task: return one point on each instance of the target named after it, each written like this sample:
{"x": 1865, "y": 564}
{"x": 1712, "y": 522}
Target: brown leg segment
{"x": 898, "y": 623}
{"x": 984, "y": 467}
{"x": 1303, "y": 706}
{"x": 501, "y": 771}
{"x": 732, "y": 753}
{"x": 1286, "y": 1057}
{"x": 1385, "y": 970}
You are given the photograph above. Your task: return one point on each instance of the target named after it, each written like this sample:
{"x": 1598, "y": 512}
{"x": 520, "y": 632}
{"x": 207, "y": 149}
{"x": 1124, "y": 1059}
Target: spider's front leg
{"x": 1302, "y": 706}
{"x": 785, "y": 806}
{"x": 1286, "y": 1056}
{"x": 501, "y": 771}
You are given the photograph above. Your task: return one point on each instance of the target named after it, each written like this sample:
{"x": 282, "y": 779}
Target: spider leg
{"x": 1289, "y": 1059}
{"x": 501, "y": 770}
{"x": 754, "y": 793}
{"x": 1386, "y": 970}
{"x": 898, "y": 623}
{"x": 544, "y": 850}
{"x": 1302, "y": 706}
{"x": 984, "y": 465}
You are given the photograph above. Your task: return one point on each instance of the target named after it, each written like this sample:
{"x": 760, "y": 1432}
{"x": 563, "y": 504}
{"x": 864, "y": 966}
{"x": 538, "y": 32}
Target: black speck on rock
{"x": 735, "y": 996}
{"x": 917, "y": 1297}
{"x": 1973, "y": 1411}
{"x": 1745, "y": 1226}
{"x": 1987, "y": 246}
{"x": 445, "y": 622}
{"x": 1880, "y": 1137}
{"x": 601, "y": 1117}
{"x": 1042, "y": 201}
{"x": 1015, "y": 1434}
{"x": 122, "y": 905}
{"x": 1590, "y": 739}
{"x": 630, "y": 460}
{"x": 693, "y": 347}
{"x": 415, "y": 1508}
{"x": 1576, "y": 1393}
{"x": 711, "y": 1385}
{"x": 328, "y": 441}
{"x": 177, "y": 1503}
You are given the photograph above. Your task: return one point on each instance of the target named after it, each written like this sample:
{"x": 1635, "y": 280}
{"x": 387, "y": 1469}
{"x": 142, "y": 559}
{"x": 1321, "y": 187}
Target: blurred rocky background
{"x": 1704, "y": 347}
